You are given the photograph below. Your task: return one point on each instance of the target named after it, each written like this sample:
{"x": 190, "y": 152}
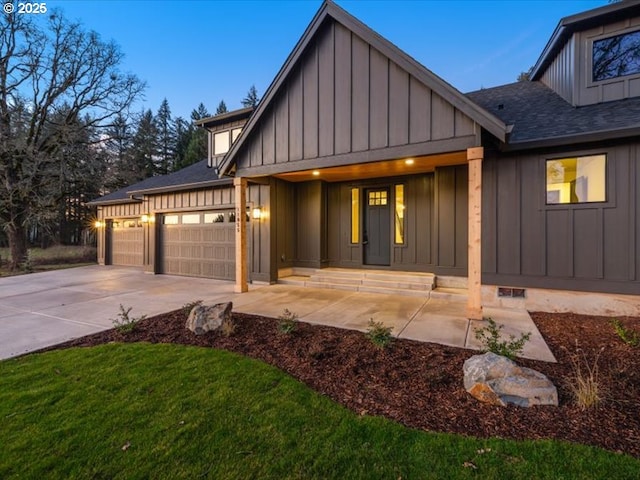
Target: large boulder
{"x": 497, "y": 380}
{"x": 203, "y": 318}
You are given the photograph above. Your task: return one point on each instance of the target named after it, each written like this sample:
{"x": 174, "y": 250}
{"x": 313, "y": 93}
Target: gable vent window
{"x": 221, "y": 143}
{"x": 576, "y": 180}
{"x": 616, "y": 56}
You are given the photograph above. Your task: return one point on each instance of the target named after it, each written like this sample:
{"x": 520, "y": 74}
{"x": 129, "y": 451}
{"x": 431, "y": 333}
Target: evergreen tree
{"x": 222, "y": 108}
{"x": 184, "y": 132}
{"x": 144, "y": 150}
{"x": 251, "y": 100}
{"x": 116, "y": 147}
{"x": 197, "y": 147}
{"x": 166, "y": 139}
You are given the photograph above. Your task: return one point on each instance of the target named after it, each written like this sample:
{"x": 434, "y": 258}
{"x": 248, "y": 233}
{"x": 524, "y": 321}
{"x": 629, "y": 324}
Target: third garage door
{"x": 198, "y": 244}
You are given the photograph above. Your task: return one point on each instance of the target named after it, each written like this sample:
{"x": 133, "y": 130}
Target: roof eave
{"x": 99, "y": 203}
{"x": 597, "y": 136}
{"x": 224, "y": 117}
{"x": 182, "y": 187}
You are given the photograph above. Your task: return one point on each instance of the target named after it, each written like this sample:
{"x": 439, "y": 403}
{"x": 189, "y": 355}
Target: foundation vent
{"x": 511, "y": 292}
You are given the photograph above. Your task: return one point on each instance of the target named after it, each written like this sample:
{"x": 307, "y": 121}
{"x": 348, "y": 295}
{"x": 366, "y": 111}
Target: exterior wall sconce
{"x": 256, "y": 213}
{"x": 98, "y": 224}
{"x": 147, "y": 218}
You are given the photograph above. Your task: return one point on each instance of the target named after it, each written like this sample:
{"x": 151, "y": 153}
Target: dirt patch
{"x": 420, "y": 384}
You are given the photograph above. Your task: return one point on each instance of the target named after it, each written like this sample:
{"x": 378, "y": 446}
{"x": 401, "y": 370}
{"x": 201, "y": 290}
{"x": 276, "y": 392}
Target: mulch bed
{"x": 420, "y": 384}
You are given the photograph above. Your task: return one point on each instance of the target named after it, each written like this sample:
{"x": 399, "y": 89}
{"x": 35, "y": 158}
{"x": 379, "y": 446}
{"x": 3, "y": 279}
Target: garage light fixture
{"x": 256, "y": 213}
{"x": 98, "y": 224}
{"x": 147, "y": 218}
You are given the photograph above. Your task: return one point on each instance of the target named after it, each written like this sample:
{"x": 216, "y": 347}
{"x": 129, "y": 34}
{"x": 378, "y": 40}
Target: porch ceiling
{"x": 386, "y": 168}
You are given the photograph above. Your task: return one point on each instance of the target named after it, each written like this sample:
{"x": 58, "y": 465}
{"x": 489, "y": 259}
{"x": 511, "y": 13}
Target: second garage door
{"x": 198, "y": 244}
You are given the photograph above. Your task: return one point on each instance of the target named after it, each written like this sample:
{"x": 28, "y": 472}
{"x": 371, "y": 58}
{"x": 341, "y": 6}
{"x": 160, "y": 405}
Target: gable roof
{"x": 198, "y": 175}
{"x": 330, "y": 10}
{"x": 567, "y": 26}
{"x": 541, "y": 117}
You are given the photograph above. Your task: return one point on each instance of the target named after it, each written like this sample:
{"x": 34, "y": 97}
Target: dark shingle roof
{"x": 538, "y": 114}
{"x": 193, "y": 176}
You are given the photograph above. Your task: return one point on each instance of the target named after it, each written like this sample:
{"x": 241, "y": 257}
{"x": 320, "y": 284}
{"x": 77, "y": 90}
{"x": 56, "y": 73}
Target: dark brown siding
{"x": 591, "y": 247}
{"x": 284, "y": 217}
{"x": 343, "y": 97}
{"x": 435, "y": 222}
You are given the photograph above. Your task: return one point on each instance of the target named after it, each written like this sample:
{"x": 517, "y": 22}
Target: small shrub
{"x": 379, "y": 334}
{"x": 187, "y": 307}
{"x": 287, "y": 322}
{"x": 228, "y": 327}
{"x": 584, "y": 382}
{"x": 125, "y": 323}
{"x": 27, "y": 265}
{"x": 628, "y": 336}
{"x": 491, "y": 340}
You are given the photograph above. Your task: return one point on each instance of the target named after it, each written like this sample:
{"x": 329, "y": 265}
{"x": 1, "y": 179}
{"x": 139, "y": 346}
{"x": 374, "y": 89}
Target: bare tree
{"x": 51, "y": 77}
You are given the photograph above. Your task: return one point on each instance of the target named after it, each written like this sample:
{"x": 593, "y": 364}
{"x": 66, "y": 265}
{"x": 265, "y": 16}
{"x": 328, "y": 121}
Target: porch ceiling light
{"x": 315, "y": 173}
{"x": 256, "y": 213}
{"x": 409, "y": 161}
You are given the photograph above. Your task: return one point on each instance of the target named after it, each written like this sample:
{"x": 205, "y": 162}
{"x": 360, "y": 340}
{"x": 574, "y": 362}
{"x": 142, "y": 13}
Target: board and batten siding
{"x": 344, "y": 100}
{"x": 211, "y": 198}
{"x": 570, "y": 74}
{"x": 589, "y": 247}
{"x": 560, "y": 74}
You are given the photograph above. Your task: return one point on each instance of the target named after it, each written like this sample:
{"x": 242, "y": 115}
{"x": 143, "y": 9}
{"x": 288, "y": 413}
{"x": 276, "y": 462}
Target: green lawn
{"x": 168, "y": 411}
{"x": 52, "y": 258}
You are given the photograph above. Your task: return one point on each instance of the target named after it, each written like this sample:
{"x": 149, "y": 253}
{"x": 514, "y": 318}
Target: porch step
{"x": 450, "y": 293}
{"x": 372, "y": 281}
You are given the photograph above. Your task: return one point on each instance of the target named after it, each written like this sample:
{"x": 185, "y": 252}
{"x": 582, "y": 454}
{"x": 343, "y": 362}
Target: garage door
{"x": 198, "y": 244}
{"x": 126, "y": 242}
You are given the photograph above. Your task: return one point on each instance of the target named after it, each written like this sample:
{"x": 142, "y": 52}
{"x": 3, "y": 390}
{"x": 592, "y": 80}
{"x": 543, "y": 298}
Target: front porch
{"x": 387, "y": 282}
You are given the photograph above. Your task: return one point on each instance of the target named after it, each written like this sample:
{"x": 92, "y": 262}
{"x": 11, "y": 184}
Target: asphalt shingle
{"x": 538, "y": 113}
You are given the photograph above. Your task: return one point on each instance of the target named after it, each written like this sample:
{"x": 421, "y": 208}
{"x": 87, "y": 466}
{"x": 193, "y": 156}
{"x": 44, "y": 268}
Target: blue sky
{"x": 212, "y": 50}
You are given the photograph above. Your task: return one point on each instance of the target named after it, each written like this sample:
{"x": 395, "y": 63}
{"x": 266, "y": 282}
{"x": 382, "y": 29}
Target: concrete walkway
{"x": 44, "y": 309}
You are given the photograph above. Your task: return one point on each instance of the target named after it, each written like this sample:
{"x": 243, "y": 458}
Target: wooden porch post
{"x": 240, "y": 185}
{"x": 474, "y": 302}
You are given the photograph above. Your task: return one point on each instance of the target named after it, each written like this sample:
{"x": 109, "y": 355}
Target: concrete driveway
{"x": 43, "y": 309}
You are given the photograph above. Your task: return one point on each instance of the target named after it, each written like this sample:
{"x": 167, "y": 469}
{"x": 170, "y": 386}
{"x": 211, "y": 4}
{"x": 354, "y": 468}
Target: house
{"x": 359, "y": 157}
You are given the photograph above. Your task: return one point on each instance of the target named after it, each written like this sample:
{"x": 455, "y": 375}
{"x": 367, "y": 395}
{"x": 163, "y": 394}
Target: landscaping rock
{"x": 203, "y": 319}
{"x": 497, "y": 380}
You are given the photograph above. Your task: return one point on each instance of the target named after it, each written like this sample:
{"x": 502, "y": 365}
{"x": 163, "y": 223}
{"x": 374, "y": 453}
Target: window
{"x": 399, "y": 217}
{"x": 576, "y": 180}
{"x": 378, "y": 198}
{"x": 235, "y": 133}
{"x": 616, "y": 56}
{"x": 213, "y": 217}
{"x": 221, "y": 142}
{"x": 170, "y": 220}
{"x": 191, "y": 219}
{"x": 130, "y": 223}
{"x": 355, "y": 215}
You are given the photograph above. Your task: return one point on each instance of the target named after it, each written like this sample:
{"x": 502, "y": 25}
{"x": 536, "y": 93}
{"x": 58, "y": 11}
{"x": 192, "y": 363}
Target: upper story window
{"x": 222, "y": 141}
{"x": 616, "y": 56}
{"x": 577, "y": 180}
